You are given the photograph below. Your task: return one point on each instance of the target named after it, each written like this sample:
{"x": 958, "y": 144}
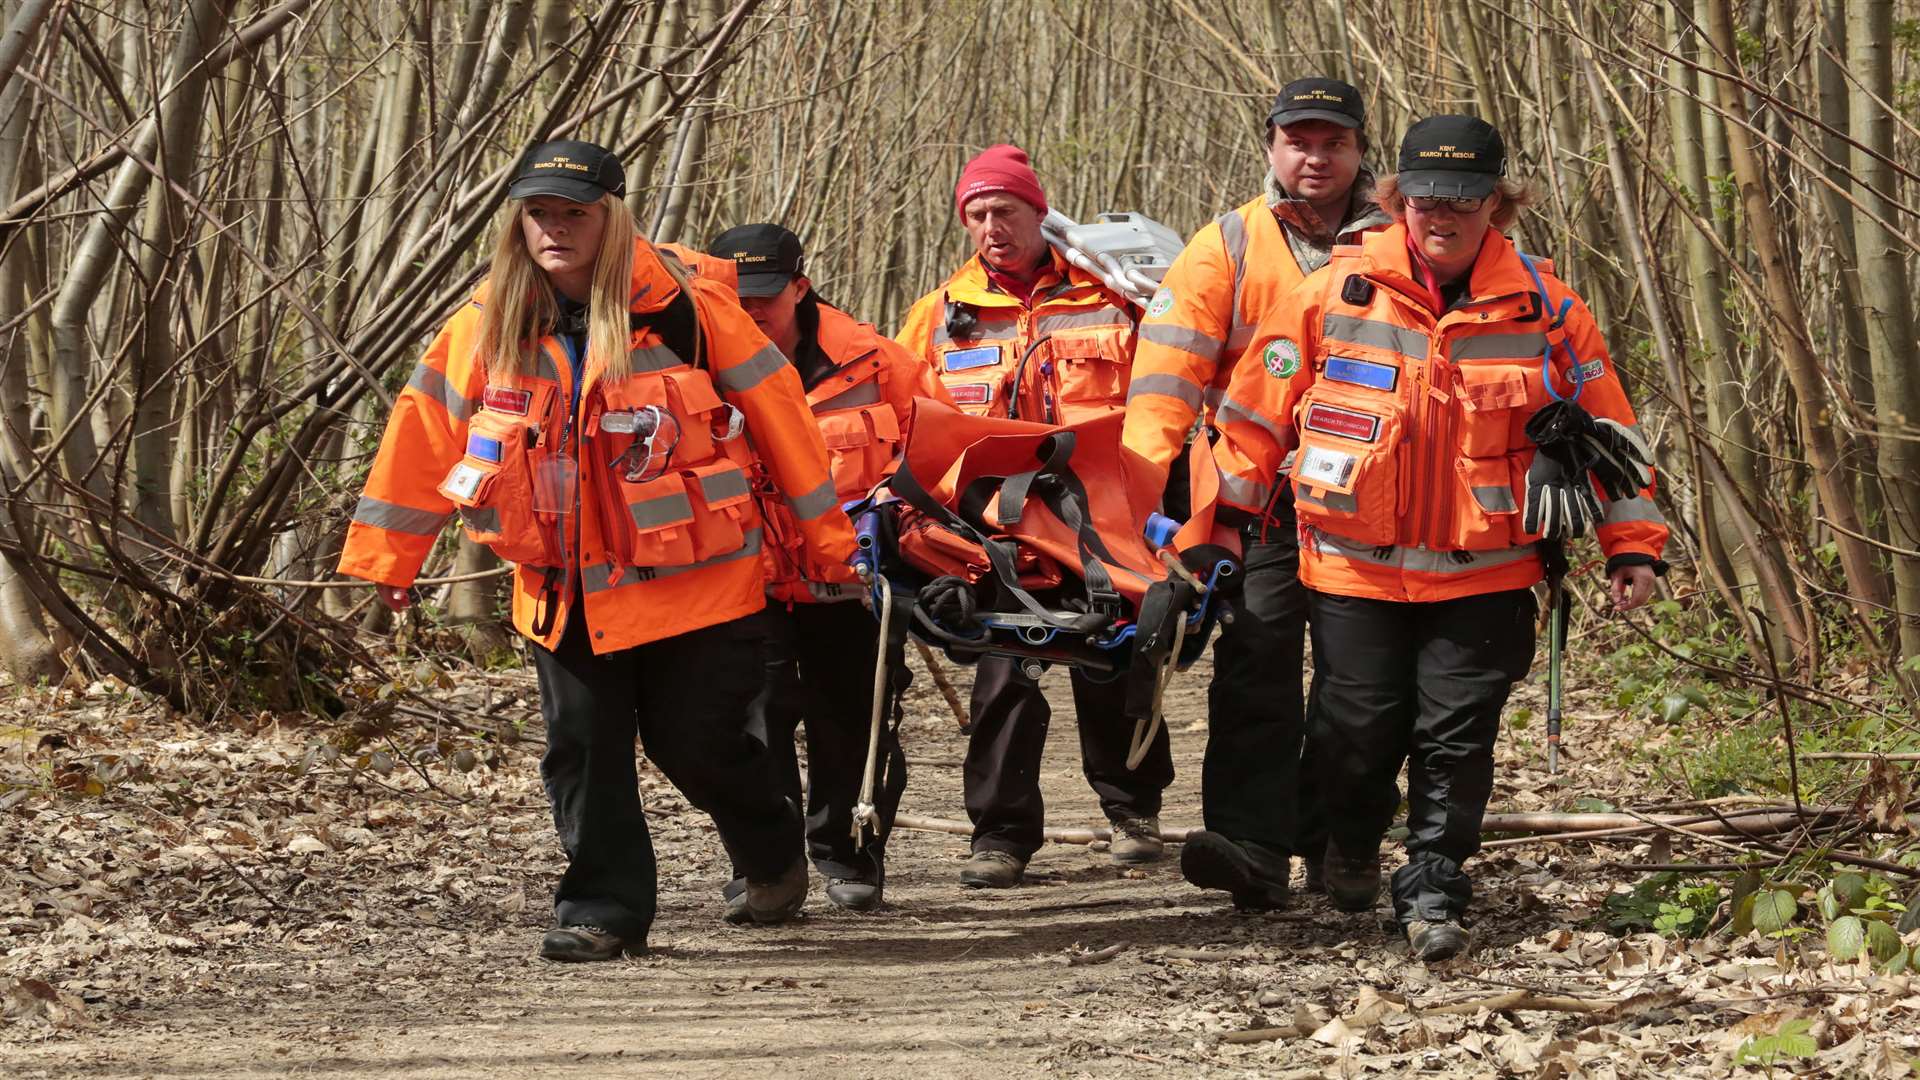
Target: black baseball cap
{"x": 1453, "y": 157}
{"x": 1318, "y": 99}
{"x": 571, "y": 169}
{"x": 765, "y": 256}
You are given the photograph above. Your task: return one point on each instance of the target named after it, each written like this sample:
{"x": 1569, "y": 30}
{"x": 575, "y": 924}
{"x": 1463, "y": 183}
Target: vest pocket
{"x": 1346, "y": 474}
{"x": 655, "y": 524}
{"x": 1489, "y": 394}
{"x": 722, "y": 497}
{"x": 492, "y": 485}
{"x": 861, "y": 443}
{"x": 1486, "y": 511}
{"x": 1090, "y": 376}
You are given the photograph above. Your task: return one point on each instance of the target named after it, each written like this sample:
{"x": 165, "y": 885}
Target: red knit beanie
{"x": 999, "y": 168}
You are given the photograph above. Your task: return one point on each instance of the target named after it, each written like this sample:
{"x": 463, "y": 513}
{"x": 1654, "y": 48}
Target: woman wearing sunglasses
{"x": 586, "y": 415}
{"x": 1442, "y": 405}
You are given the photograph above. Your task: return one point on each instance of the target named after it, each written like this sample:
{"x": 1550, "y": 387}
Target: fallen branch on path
{"x": 1521, "y": 1000}
{"x": 1098, "y": 956}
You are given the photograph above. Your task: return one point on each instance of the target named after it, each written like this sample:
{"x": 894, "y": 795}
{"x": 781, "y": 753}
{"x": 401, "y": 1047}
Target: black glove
{"x": 1560, "y": 502}
{"x": 1616, "y": 455}
{"x": 1622, "y": 461}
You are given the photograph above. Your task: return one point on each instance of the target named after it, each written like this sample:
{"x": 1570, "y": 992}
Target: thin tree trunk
{"x": 1883, "y": 286}
{"x": 1787, "y": 323}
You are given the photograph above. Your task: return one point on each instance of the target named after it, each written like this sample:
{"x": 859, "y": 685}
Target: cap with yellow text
{"x": 1318, "y": 99}
{"x": 766, "y": 256}
{"x": 581, "y": 172}
{"x": 1451, "y": 157}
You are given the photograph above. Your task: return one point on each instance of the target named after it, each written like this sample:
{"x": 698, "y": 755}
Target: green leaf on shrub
{"x": 1850, "y": 890}
{"x": 1773, "y": 910}
{"x": 1846, "y": 938}
{"x": 1673, "y": 707}
{"x": 1884, "y": 940}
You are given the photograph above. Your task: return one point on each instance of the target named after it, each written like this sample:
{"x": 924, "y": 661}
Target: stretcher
{"x": 1044, "y": 545}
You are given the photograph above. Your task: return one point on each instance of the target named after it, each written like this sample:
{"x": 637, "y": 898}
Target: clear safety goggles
{"x": 655, "y": 433}
{"x": 1425, "y": 203}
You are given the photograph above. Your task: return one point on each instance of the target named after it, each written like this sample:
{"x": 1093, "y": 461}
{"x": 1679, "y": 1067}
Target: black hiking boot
{"x": 1437, "y": 941}
{"x": 1353, "y": 884}
{"x": 1255, "y": 876}
{"x": 853, "y": 895}
{"x": 582, "y": 944}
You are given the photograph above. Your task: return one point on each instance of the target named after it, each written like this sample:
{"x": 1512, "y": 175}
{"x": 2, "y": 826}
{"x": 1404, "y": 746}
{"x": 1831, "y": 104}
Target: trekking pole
{"x": 1555, "y": 556}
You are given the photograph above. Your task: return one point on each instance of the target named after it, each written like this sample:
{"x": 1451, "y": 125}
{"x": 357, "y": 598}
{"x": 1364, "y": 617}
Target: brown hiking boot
{"x": 776, "y": 901}
{"x": 990, "y": 869}
{"x": 1136, "y": 840}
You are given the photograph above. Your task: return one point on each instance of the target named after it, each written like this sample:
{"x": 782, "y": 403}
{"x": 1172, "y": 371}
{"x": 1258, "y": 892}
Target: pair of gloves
{"x": 1572, "y": 444}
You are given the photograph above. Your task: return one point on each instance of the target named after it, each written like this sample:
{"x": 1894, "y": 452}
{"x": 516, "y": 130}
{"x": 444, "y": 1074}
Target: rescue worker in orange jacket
{"x": 1258, "y": 791}
{"x": 586, "y": 415}
{"x": 1409, "y": 378}
{"x": 1019, "y": 332}
{"x": 822, "y": 640}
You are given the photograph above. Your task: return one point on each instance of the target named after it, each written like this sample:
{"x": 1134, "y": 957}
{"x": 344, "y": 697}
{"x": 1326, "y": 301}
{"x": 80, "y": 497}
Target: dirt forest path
{"x": 268, "y": 914}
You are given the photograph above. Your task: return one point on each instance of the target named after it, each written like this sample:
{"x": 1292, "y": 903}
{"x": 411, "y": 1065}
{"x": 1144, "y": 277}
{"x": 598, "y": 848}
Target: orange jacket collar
{"x": 971, "y": 285}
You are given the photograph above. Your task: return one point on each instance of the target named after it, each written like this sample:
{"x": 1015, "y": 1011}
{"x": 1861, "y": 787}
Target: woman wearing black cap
{"x": 584, "y": 414}
{"x": 1425, "y": 384}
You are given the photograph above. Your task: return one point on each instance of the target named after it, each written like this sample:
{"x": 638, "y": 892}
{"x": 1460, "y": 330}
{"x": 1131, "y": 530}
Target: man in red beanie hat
{"x": 1018, "y": 331}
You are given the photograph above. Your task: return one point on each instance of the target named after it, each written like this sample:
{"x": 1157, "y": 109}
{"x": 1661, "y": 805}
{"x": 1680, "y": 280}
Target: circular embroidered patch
{"x": 1282, "y": 358}
{"x": 1161, "y": 303}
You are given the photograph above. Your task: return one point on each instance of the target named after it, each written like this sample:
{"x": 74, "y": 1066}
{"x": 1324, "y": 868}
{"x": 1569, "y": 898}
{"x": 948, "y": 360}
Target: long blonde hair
{"x": 521, "y": 307}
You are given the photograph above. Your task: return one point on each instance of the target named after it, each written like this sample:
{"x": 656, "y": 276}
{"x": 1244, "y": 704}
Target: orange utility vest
{"x": 1233, "y": 271}
{"x": 1061, "y": 357}
{"x": 650, "y": 558}
{"x": 1411, "y": 461}
{"x": 863, "y": 406}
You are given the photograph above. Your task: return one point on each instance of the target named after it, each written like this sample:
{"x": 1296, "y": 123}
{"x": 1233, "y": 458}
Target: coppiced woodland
{"x": 230, "y": 226}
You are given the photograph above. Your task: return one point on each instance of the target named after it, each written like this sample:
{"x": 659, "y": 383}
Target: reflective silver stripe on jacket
{"x": 1420, "y": 560}
{"x": 722, "y": 485}
{"x": 989, "y": 328}
{"x": 1244, "y": 493}
{"x": 754, "y": 370}
{"x": 481, "y": 519}
{"x": 1107, "y": 315}
{"x": 1186, "y": 339}
{"x": 653, "y": 358}
{"x": 396, "y": 518}
{"x": 1497, "y": 347}
{"x": 812, "y": 504}
{"x": 1178, "y": 387}
{"x": 595, "y": 578}
{"x": 1231, "y": 410}
{"x": 866, "y": 393}
{"x": 434, "y": 384}
{"x": 670, "y": 509}
{"x": 1375, "y": 334}
{"x": 1233, "y": 234}
{"x": 1631, "y": 511}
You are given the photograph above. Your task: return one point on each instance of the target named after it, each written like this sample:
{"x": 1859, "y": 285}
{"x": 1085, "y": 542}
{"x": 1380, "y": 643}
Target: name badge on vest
{"x": 968, "y": 359}
{"x": 1346, "y": 423}
{"x": 971, "y": 393}
{"x": 1361, "y": 373}
{"x": 1326, "y": 468}
{"x": 462, "y": 482}
{"x": 506, "y": 399}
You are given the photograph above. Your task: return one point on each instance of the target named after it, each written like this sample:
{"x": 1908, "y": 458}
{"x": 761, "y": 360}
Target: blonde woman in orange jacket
{"x": 587, "y": 417}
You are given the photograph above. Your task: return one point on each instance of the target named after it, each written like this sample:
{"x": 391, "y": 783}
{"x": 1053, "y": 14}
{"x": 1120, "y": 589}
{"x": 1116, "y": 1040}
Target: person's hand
{"x": 1632, "y": 586}
{"x": 394, "y": 596}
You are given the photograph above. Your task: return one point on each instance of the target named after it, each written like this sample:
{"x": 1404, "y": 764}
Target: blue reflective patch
{"x": 1362, "y": 372}
{"x": 485, "y": 449}
{"x": 967, "y": 359}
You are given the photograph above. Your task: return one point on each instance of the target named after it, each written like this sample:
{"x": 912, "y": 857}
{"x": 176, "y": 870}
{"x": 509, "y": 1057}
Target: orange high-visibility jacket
{"x": 1234, "y": 270}
{"x": 863, "y": 405}
{"x": 1060, "y": 358}
{"x": 1412, "y": 460}
{"x": 691, "y": 536}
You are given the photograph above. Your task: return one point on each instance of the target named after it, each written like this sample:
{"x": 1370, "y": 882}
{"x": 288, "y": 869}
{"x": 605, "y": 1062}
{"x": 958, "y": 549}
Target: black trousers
{"x": 687, "y": 698}
{"x": 1423, "y": 684}
{"x": 1002, "y": 778}
{"x": 819, "y": 671}
{"x": 1253, "y": 786}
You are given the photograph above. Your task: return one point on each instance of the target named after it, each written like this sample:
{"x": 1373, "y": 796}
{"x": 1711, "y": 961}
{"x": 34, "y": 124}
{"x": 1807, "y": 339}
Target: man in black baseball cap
{"x": 766, "y": 256}
{"x": 573, "y": 170}
{"x": 1318, "y": 99}
{"x": 1451, "y": 157}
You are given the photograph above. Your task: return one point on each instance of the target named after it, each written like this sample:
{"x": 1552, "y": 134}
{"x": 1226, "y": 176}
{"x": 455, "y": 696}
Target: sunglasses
{"x": 1436, "y": 202}
{"x": 655, "y": 433}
